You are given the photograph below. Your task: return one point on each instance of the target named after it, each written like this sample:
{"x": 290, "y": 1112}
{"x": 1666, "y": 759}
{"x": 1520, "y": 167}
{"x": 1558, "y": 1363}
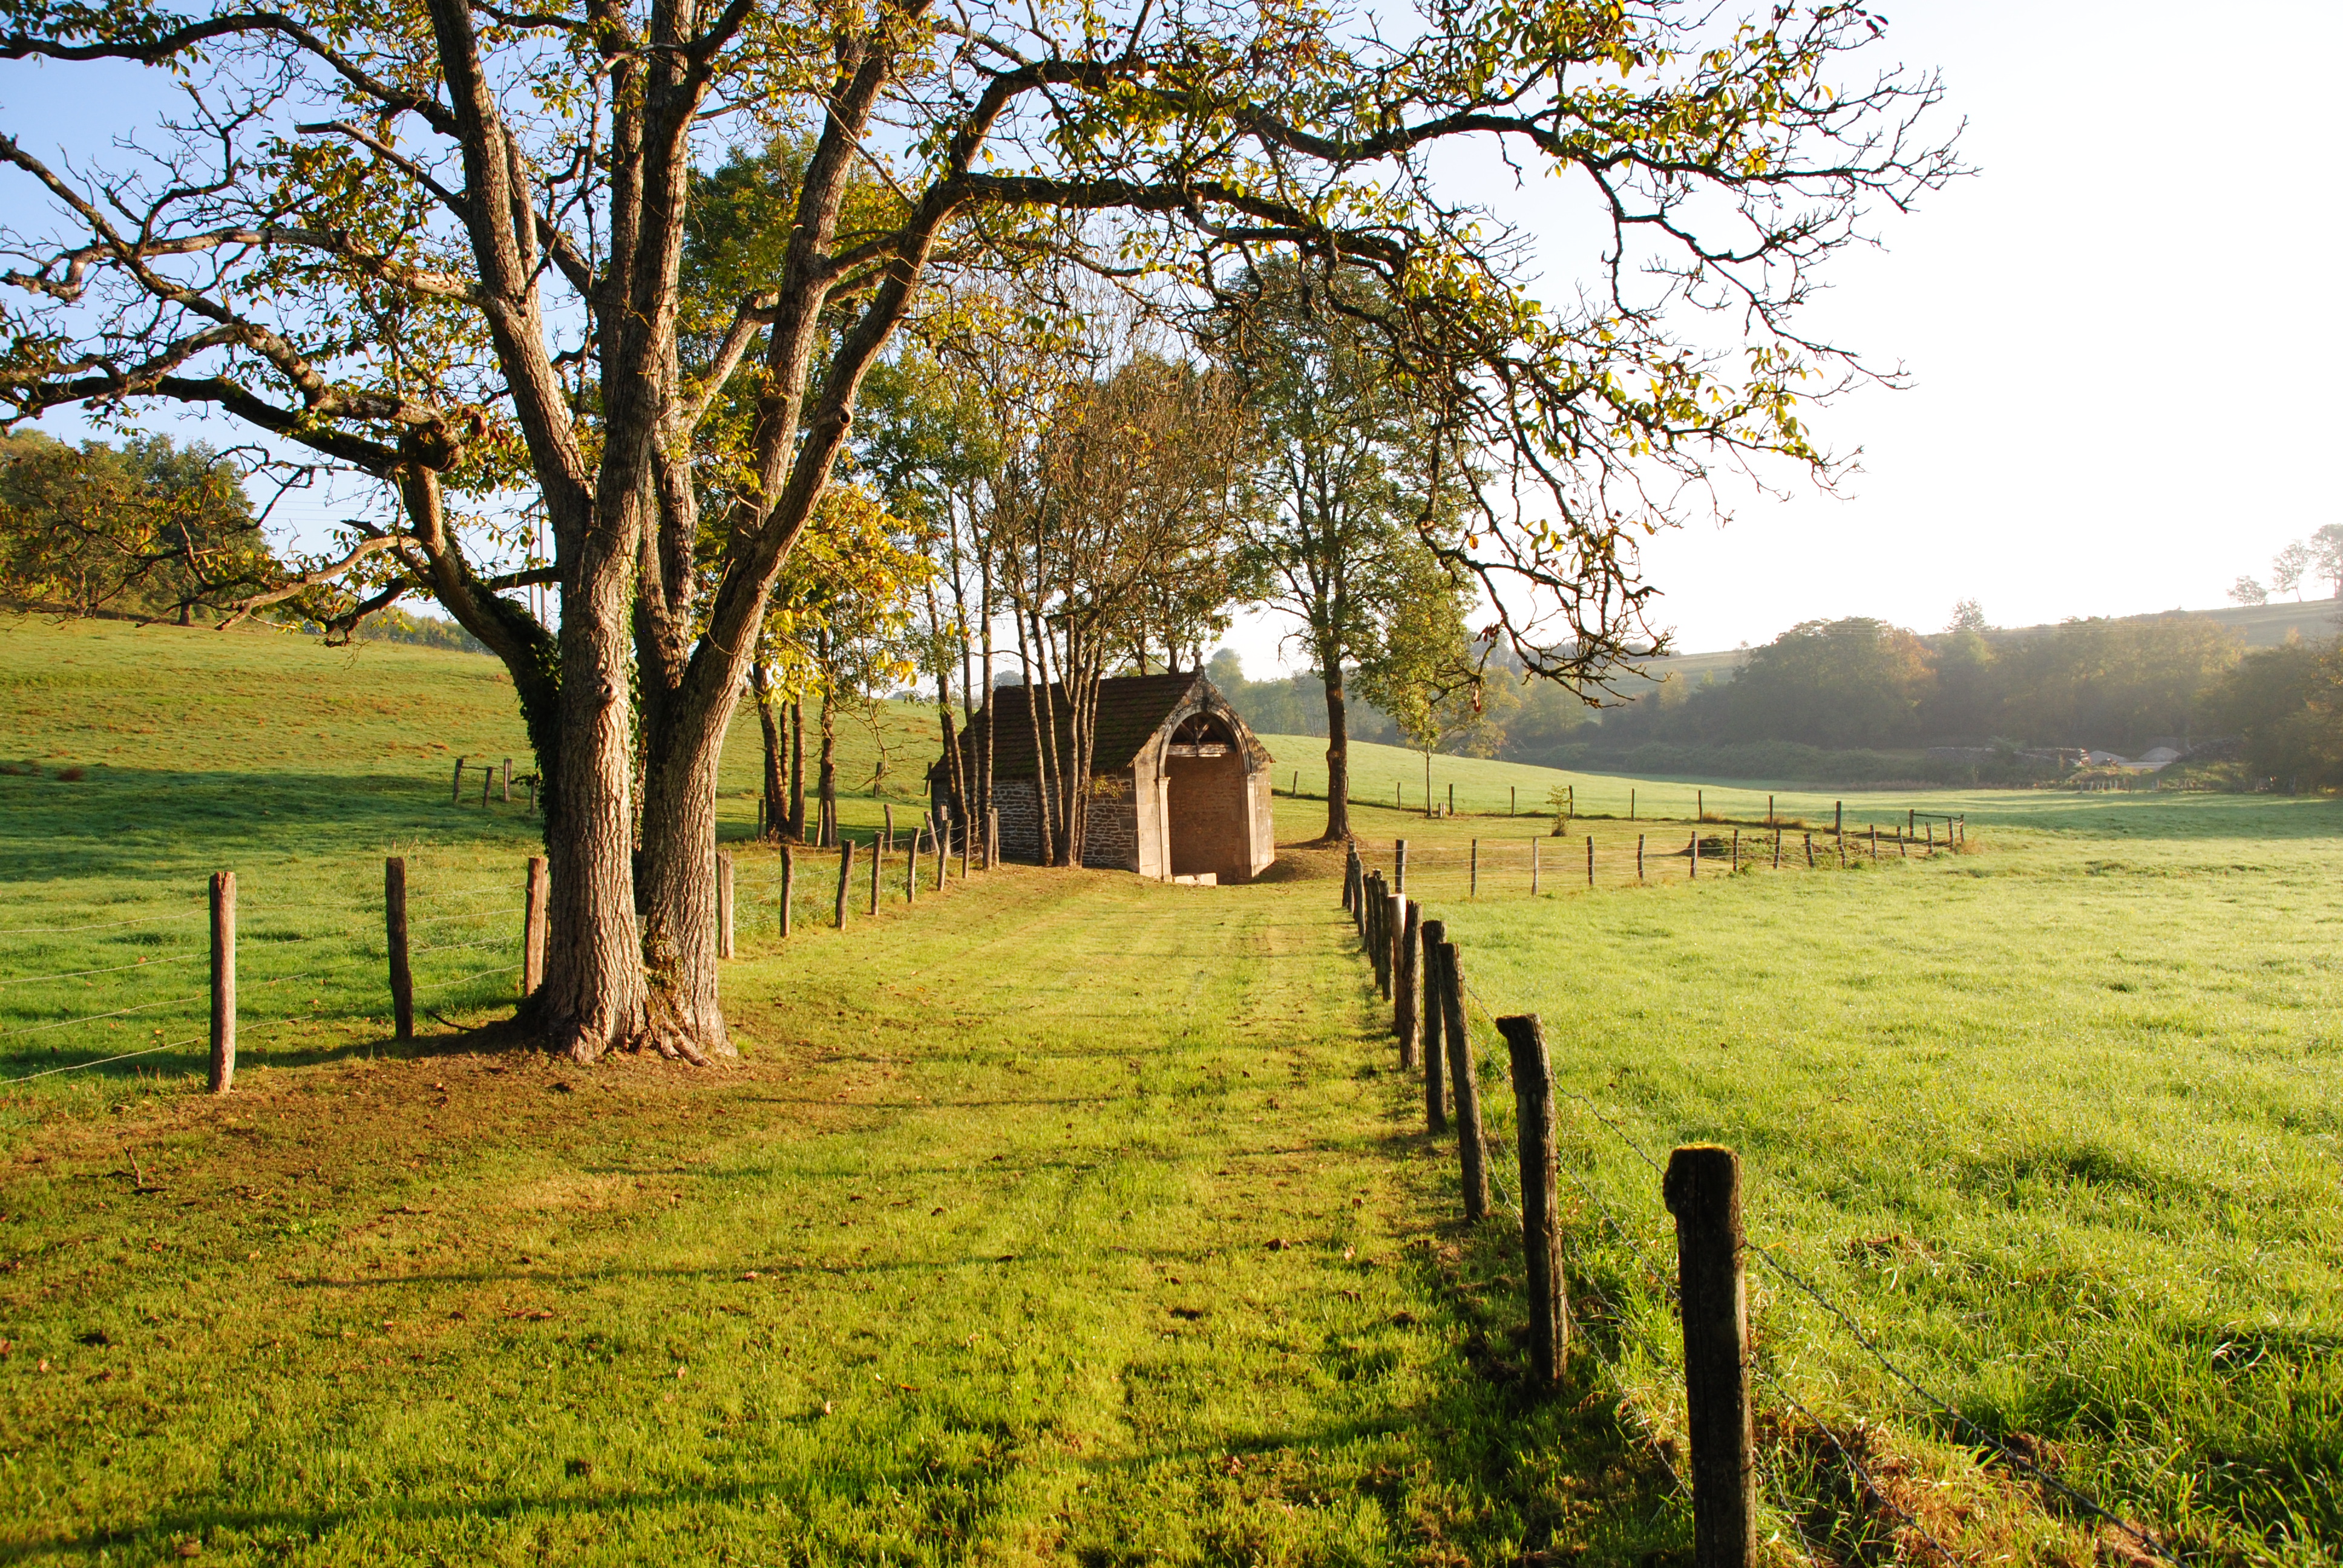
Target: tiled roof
{"x": 1130, "y": 710}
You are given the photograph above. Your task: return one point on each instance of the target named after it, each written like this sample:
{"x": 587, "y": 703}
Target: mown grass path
{"x": 1061, "y": 1217}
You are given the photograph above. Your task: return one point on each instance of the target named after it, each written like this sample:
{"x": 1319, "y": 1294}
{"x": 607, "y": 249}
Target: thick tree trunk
{"x": 1337, "y": 761}
{"x": 595, "y": 996}
{"x": 678, "y": 896}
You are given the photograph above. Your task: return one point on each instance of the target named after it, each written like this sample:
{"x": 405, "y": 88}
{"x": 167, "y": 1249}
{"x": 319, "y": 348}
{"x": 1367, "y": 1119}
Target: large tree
{"x": 1348, "y": 449}
{"x": 440, "y": 245}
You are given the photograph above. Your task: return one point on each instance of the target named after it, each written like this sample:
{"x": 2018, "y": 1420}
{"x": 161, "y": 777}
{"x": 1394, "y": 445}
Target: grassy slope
{"x": 2058, "y": 1119}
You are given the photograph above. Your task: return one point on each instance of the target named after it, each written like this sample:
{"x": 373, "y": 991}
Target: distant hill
{"x": 2262, "y": 625}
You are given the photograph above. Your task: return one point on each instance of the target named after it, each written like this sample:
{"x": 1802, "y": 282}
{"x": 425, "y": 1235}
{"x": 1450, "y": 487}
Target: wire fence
{"x": 333, "y": 959}
{"x": 1650, "y": 1272}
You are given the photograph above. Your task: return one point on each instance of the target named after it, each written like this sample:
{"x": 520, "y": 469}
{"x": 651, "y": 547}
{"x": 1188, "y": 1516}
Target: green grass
{"x": 1088, "y": 1219}
{"x": 2057, "y": 1121}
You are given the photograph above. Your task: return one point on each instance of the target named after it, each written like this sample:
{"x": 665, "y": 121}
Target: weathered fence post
{"x": 1399, "y": 866}
{"x": 394, "y": 934}
{"x": 1931, "y": 828}
{"x": 487, "y": 779}
{"x": 1736, "y": 850}
{"x": 845, "y": 872}
{"x": 1700, "y": 806}
{"x": 456, "y": 799}
{"x": 1639, "y": 857}
{"x": 505, "y": 789}
{"x": 1874, "y": 840}
{"x": 1694, "y": 850}
{"x": 1350, "y": 881}
{"x": 878, "y": 866}
{"x": 724, "y": 905}
{"x": 911, "y": 870}
{"x": 1911, "y": 819}
{"x": 1474, "y": 891}
{"x": 1778, "y": 848}
{"x": 939, "y": 846}
{"x": 788, "y": 886}
{"x": 1512, "y": 799}
{"x": 1769, "y": 812}
{"x": 1902, "y": 847}
{"x": 993, "y": 838}
{"x": 1407, "y": 996}
{"x": 1452, "y": 800}
{"x": 1631, "y": 805}
{"x": 1702, "y": 1188}
{"x": 1541, "y": 1218}
{"x": 1534, "y": 868}
{"x": 535, "y": 898}
{"x": 1838, "y": 818}
{"x": 888, "y": 811}
{"x": 223, "y": 1063}
{"x": 1394, "y": 927}
{"x": 1472, "y": 1152}
{"x": 1590, "y": 860}
{"x": 1436, "y": 1027}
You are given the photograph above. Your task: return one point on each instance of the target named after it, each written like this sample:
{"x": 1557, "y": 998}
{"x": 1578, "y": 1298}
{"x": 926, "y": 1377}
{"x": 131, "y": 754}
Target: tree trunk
{"x": 1033, "y": 697}
{"x": 827, "y": 778}
{"x": 797, "y": 770}
{"x": 595, "y": 995}
{"x": 776, "y": 811}
{"x": 678, "y": 895}
{"x": 1337, "y": 761}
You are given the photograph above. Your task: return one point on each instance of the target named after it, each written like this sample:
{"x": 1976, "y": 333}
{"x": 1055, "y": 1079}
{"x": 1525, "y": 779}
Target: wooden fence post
{"x": 1631, "y": 805}
{"x": 1399, "y": 866}
{"x": 1452, "y": 800}
{"x": 1590, "y": 860}
{"x": 940, "y": 847}
{"x": 1911, "y": 819}
{"x": 788, "y": 886}
{"x": 394, "y": 934}
{"x": 1472, "y": 1152}
{"x": 1540, "y": 1220}
{"x": 966, "y": 839}
{"x": 889, "y": 810}
{"x": 1639, "y": 857}
{"x": 1349, "y": 880}
{"x": 534, "y": 897}
{"x": 1407, "y": 996}
{"x": 223, "y": 1063}
{"x": 505, "y": 788}
{"x": 1838, "y": 818}
{"x": 1534, "y": 868}
{"x": 1694, "y": 850}
{"x": 993, "y": 838}
{"x": 1378, "y": 938}
{"x": 1435, "y": 1026}
{"x": 1874, "y": 840}
{"x": 724, "y": 905}
{"x": 877, "y": 862}
{"x": 1778, "y": 848}
{"x": 1512, "y": 799}
{"x": 457, "y": 798}
{"x": 845, "y": 872}
{"x": 1931, "y": 828}
{"x": 1902, "y": 846}
{"x": 1736, "y": 850}
{"x": 1395, "y": 930}
{"x": 911, "y": 870}
{"x": 1700, "y": 806}
{"x": 1703, "y": 1190}
{"x": 1810, "y": 851}
{"x": 1769, "y": 812}
{"x": 1474, "y": 891}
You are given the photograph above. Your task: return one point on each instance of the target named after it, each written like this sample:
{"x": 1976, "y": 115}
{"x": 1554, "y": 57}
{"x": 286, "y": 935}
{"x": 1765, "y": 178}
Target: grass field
{"x": 1064, "y": 1218}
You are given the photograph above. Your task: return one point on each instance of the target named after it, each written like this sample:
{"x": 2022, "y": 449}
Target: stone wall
{"x": 1112, "y": 844}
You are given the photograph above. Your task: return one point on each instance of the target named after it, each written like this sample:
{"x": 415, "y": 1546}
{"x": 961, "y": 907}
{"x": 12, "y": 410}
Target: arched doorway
{"x": 1207, "y": 809}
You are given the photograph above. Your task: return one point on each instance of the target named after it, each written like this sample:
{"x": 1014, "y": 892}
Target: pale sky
{"x": 2122, "y": 355}
{"x": 2122, "y": 336}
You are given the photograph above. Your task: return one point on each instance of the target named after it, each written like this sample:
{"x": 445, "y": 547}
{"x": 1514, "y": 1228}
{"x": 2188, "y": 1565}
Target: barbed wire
{"x": 126, "y": 1056}
{"x": 100, "y": 1017}
{"x": 97, "y": 926}
{"x": 1854, "y": 1463}
{"x": 115, "y": 969}
{"x": 1960, "y": 1422}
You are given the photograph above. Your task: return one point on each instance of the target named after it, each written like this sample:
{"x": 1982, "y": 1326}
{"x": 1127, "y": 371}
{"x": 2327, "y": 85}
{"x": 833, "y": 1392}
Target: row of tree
{"x": 2318, "y": 558}
{"x": 734, "y": 326}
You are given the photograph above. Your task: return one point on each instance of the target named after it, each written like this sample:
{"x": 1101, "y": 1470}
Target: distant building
{"x": 1180, "y": 788}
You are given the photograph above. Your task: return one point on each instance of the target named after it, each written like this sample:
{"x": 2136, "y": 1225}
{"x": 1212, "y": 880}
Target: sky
{"x": 2121, "y": 336}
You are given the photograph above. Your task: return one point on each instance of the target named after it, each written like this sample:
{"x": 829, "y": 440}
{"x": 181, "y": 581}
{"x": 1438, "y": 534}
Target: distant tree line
{"x": 1827, "y": 697}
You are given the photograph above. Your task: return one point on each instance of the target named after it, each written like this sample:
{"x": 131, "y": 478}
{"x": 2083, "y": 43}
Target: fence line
{"x": 1374, "y": 934}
